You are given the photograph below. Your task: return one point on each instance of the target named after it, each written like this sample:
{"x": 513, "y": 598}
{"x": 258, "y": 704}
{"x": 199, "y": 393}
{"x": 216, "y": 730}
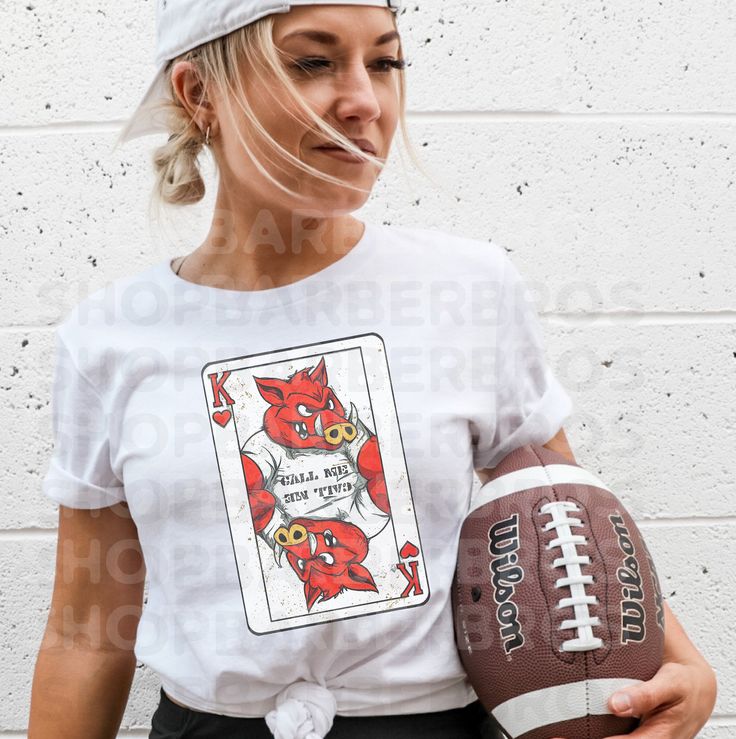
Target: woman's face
{"x": 347, "y": 80}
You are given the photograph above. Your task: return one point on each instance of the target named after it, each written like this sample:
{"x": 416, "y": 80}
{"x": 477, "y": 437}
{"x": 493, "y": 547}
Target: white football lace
{"x": 575, "y": 579}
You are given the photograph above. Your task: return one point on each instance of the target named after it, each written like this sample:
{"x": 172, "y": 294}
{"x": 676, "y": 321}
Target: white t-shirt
{"x": 463, "y": 382}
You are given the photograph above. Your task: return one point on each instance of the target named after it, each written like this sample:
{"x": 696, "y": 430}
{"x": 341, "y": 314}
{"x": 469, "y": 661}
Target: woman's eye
{"x": 391, "y": 64}
{"x": 309, "y": 64}
{"x": 383, "y": 65}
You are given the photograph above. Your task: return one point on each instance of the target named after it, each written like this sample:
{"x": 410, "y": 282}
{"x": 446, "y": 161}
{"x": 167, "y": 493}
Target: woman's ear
{"x": 189, "y": 89}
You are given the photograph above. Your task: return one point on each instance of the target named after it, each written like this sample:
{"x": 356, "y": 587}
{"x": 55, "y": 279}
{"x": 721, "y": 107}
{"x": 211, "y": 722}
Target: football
{"x": 555, "y": 598}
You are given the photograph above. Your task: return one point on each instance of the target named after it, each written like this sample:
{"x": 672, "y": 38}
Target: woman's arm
{"x": 558, "y": 443}
{"x": 86, "y": 662}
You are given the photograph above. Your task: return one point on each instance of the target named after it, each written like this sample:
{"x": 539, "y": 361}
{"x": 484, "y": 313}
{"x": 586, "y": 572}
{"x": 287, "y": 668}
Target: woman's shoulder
{"x": 107, "y": 313}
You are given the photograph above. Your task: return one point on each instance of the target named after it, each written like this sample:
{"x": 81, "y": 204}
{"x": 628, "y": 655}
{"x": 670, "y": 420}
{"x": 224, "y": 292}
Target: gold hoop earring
{"x": 207, "y": 137}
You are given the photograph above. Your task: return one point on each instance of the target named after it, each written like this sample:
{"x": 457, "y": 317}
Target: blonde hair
{"x": 218, "y": 63}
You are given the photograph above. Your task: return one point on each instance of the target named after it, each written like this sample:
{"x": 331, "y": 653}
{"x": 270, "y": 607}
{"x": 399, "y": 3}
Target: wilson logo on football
{"x": 505, "y": 575}
{"x": 633, "y": 615}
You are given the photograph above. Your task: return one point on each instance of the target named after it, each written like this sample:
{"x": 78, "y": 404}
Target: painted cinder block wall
{"x": 595, "y": 141}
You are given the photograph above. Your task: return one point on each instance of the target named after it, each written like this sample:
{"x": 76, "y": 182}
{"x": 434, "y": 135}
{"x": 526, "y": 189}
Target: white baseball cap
{"x": 182, "y": 25}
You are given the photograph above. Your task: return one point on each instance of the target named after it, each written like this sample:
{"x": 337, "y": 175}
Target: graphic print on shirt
{"x": 316, "y": 487}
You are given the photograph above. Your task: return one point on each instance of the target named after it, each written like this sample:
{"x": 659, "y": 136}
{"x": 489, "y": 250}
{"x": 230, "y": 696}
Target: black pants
{"x": 172, "y": 721}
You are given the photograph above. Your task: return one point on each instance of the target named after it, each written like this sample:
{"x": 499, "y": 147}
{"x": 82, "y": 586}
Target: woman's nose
{"x": 356, "y": 96}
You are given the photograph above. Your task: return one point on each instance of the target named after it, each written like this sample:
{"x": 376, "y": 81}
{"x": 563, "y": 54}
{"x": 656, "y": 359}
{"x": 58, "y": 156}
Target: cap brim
{"x": 147, "y": 118}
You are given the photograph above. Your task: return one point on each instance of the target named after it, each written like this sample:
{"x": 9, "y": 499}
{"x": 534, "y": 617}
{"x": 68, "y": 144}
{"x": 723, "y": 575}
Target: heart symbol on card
{"x": 222, "y": 417}
{"x": 408, "y": 550}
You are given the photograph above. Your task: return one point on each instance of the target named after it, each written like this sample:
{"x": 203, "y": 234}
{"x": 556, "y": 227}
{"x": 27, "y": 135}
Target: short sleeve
{"x": 79, "y": 474}
{"x": 528, "y": 404}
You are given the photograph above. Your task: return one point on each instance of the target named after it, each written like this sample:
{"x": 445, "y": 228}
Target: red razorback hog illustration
{"x": 305, "y": 417}
{"x": 326, "y": 555}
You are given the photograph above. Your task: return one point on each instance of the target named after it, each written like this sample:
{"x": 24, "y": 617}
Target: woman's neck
{"x": 270, "y": 256}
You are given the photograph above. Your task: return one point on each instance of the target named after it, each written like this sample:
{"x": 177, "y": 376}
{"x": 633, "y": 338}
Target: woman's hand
{"x": 674, "y": 704}
{"x": 679, "y": 699}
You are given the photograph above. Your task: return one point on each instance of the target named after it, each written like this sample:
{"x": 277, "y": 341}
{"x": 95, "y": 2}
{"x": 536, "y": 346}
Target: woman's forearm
{"x": 79, "y": 691}
{"x": 677, "y": 644}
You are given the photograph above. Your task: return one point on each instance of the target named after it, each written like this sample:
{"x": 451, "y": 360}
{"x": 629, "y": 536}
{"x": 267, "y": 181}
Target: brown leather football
{"x": 556, "y": 599}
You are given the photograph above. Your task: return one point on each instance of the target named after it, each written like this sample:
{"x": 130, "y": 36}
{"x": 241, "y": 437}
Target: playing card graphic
{"x": 315, "y": 482}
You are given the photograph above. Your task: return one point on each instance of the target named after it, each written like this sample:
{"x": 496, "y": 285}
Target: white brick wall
{"x": 595, "y": 140}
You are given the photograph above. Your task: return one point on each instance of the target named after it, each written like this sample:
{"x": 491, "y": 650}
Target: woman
{"x": 280, "y": 427}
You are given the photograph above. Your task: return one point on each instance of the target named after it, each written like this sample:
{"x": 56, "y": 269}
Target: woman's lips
{"x": 341, "y": 154}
